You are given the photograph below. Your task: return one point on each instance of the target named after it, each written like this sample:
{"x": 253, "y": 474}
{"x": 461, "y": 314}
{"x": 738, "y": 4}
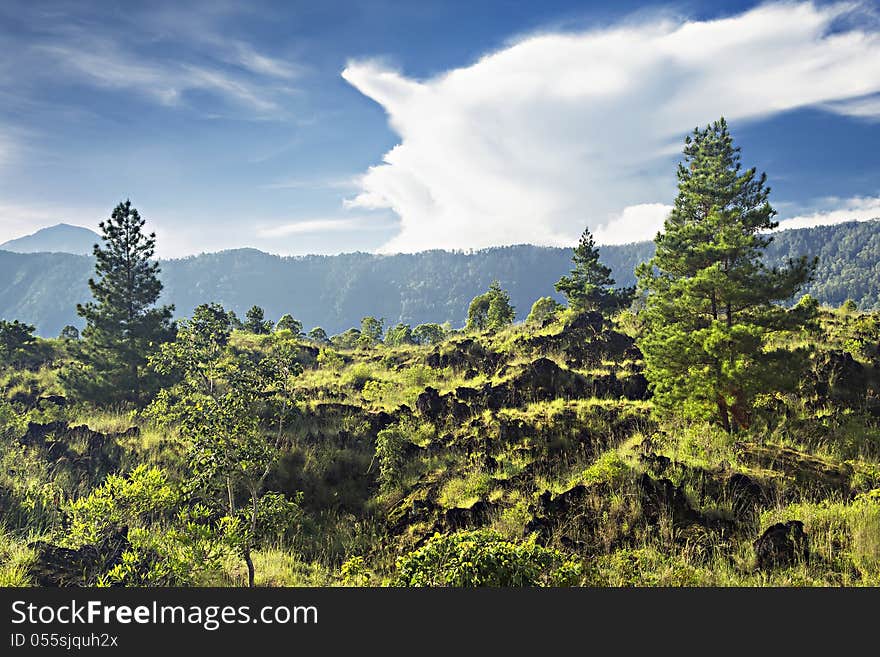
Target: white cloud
{"x": 313, "y": 183}
{"x": 635, "y": 223}
{"x": 559, "y": 130}
{"x": 867, "y": 107}
{"x": 860, "y": 208}
{"x": 322, "y": 226}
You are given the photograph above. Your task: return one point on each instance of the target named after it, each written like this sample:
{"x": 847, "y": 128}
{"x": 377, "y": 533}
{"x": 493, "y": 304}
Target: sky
{"x": 393, "y": 126}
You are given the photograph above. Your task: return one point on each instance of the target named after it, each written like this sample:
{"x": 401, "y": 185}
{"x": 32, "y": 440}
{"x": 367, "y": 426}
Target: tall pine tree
{"x": 589, "y": 286}
{"x": 710, "y": 305}
{"x": 123, "y": 326}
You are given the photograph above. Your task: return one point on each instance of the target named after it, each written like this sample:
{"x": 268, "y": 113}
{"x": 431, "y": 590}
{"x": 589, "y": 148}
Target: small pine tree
{"x": 288, "y": 323}
{"x": 543, "y": 310}
{"x": 589, "y": 286}
{"x": 123, "y": 326}
{"x": 500, "y": 312}
{"x": 255, "y": 321}
{"x": 400, "y": 334}
{"x": 69, "y": 332}
{"x": 16, "y": 341}
{"x": 319, "y": 335}
{"x": 371, "y": 331}
{"x": 491, "y": 310}
{"x": 430, "y": 333}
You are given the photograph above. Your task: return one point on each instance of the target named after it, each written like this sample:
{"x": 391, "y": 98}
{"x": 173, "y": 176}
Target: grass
{"x": 277, "y": 566}
{"x": 347, "y": 537}
{"x": 15, "y": 557}
{"x": 465, "y": 491}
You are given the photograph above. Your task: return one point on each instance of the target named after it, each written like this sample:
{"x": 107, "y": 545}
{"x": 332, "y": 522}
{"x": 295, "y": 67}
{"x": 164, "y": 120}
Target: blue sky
{"x": 306, "y": 127}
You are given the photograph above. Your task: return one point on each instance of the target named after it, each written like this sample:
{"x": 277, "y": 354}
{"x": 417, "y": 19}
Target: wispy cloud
{"x": 107, "y": 65}
{"x": 346, "y": 183}
{"x": 261, "y": 64}
{"x": 558, "y": 130}
{"x": 163, "y": 55}
{"x": 323, "y": 226}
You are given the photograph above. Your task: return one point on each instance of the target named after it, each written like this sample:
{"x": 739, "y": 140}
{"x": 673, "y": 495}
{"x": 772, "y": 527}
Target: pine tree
{"x": 589, "y": 286}
{"x": 491, "y": 310}
{"x": 255, "y": 321}
{"x": 122, "y": 325}
{"x": 288, "y": 323}
{"x": 500, "y": 312}
{"x": 319, "y": 335}
{"x": 710, "y": 300}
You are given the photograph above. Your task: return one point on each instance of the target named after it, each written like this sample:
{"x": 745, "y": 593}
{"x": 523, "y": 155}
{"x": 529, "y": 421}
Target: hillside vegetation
{"x": 433, "y": 286}
{"x": 711, "y": 426}
{"x": 534, "y": 440}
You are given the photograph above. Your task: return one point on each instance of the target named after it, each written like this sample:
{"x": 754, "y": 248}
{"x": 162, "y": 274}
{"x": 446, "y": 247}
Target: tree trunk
{"x": 250, "y": 566}
{"x": 251, "y": 538}
{"x": 740, "y": 411}
{"x": 723, "y": 414}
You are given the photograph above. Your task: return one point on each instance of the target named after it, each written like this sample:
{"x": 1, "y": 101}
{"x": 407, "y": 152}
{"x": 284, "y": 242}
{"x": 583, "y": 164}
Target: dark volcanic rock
{"x": 660, "y": 497}
{"x": 580, "y": 502}
{"x": 59, "y": 566}
{"x": 465, "y": 354}
{"x": 476, "y": 515}
{"x": 588, "y": 320}
{"x": 745, "y": 494}
{"x": 430, "y": 404}
{"x": 36, "y": 433}
{"x": 101, "y": 454}
{"x": 635, "y": 387}
{"x": 781, "y": 545}
{"x": 811, "y": 475}
{"x": 657, "y": 463}
{"x": 57, "y": 400}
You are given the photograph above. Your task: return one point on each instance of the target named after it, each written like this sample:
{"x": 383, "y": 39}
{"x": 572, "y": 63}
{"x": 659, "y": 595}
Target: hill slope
{"x": 61, "y": 238}
{"x": 433, "y": 286}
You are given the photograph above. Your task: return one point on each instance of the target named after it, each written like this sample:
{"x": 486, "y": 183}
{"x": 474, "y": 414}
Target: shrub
{"x": 484, "y": 558}
{"x": 329, "y": 359}
{"x": 391, "y": 445}
{"x": 144, "y": 495}
{"x": 358, "y": 375}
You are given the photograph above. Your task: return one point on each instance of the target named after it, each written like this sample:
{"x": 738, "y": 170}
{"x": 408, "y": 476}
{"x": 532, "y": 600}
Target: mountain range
{"x": 334, "y": 292}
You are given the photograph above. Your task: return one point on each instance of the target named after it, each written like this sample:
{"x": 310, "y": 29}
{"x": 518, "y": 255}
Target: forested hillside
{"x": 715, "y": 433}
{"x": 335, "y": 292}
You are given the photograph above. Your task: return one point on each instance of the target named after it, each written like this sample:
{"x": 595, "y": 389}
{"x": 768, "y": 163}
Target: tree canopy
{"x": 589, "y": 285}
{"x": 123, "y": 325}
{"x": 710, "y": 299}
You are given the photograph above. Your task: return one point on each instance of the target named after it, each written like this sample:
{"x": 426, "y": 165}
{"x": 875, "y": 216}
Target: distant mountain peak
{"x": 60, "y": 238}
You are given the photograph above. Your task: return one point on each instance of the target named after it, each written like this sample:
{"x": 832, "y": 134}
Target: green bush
{"x": 143, "y": 496}
{"x": 358, "y": 375}
{"x": 329, "y": 359}
{"x": 484, "y": 558}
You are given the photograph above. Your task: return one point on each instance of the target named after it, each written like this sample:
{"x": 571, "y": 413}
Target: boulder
{"x": 660, "y": 497}
{"x": 782, "y": 545}
{"x": 587, "y": 320}
{"x": 745, "y": 494}
{"x": 55, "y": 566}
{"x": 430, "y": 404}
{"x": 473, "y": 516}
